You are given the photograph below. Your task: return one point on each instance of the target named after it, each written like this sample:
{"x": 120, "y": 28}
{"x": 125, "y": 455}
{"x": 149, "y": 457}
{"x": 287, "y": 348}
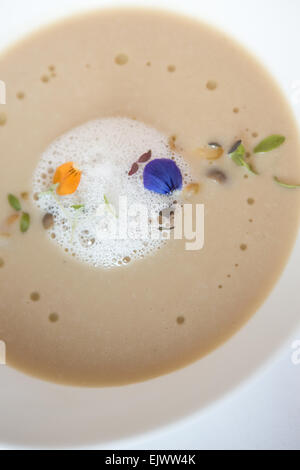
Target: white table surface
{"x": 263, "y": 414}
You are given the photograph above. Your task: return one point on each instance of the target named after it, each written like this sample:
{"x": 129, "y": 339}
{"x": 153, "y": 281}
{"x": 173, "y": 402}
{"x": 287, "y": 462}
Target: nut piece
{"x": 209, "y": 153}
{"x": 218, "y": 176}
{"x": 191, "y": 190}
{"x": 48, "y": 221}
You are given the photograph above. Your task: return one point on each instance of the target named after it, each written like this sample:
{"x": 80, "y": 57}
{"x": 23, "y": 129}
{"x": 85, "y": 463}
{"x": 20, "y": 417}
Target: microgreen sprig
{"x": 237, "y": 154}
{"x": 14, "y": 202}
{"x": 286, "y": 185}
{"x": 109, "y": 207}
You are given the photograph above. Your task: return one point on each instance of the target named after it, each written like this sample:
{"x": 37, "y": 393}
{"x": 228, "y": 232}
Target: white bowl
{"x": 38, "y": 414}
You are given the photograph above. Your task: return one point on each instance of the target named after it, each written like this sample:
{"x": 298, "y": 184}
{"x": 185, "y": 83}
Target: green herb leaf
{"x": 286, "y": 185}
{"x": 110, "y": 208}
{"x": 237, "y": 155}
{"x": 79, "y": 206}
{"x": 14, "y": 202}
{"x": 25, "y": 222}
{"x": 270, "y": 143}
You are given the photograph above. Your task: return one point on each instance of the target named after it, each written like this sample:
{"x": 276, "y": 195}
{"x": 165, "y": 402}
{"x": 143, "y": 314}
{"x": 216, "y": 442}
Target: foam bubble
{"x": 104, "y": 150}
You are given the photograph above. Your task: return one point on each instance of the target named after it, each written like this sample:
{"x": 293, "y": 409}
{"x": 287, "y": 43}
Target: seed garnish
{"x": 143, "y": 159}
{"x": 134, "y": 169}
{"x": 146, "y": 157}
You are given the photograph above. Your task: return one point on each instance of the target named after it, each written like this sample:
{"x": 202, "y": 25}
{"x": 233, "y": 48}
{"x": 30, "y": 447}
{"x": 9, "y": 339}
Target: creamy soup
{"x": 189, "y": 94}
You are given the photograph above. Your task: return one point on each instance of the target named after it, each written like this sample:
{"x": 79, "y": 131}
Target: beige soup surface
{"x": 70, "y": 322}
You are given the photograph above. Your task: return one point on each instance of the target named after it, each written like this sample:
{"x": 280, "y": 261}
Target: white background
{"x": 264, "y": 413}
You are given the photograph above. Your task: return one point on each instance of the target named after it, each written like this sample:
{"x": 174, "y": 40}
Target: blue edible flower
{"x": 162, "y": 176}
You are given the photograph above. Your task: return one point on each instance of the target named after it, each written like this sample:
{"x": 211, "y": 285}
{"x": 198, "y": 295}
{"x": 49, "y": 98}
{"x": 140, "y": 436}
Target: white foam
{"x": 104, "y": 150}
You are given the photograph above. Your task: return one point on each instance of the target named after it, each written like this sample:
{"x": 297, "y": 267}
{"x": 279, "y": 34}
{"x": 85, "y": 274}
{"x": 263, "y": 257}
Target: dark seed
{"x": 134, "y": 169}
{"x": 235, "y": 147}
{"x": 146, "y": 157}
{"x": 48, "y": 221}
{"x": 217, "y": 175}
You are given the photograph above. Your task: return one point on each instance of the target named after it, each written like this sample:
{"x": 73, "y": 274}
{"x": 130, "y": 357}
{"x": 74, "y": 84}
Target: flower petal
{"x": 68, "y": 178}
{"x": 61, "y": 172}
{"x": 162, "y": 176}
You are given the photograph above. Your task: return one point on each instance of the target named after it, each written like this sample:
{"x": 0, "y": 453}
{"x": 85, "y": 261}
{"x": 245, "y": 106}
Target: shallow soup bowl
{"x": 34, "y": 413}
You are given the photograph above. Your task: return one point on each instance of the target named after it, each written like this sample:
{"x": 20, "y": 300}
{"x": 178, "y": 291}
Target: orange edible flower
{"x": 68, "y": 178}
